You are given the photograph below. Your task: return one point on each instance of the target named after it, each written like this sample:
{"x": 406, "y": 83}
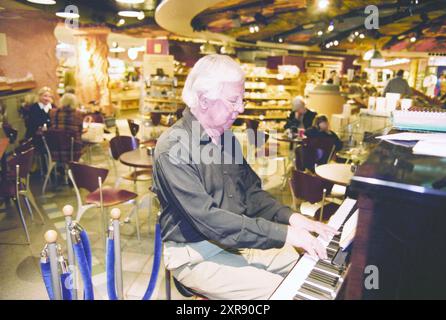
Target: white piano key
{"x": 293, "y": 281}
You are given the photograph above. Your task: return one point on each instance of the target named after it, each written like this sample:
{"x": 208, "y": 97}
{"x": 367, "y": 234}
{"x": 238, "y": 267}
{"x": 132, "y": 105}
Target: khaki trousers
{"x": 217, "y": 273}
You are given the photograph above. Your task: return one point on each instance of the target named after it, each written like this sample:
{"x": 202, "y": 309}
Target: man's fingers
{"x": 320, "y": 249}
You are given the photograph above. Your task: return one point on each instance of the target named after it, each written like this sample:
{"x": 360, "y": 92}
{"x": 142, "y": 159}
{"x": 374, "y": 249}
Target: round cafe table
{"x": 339, "y": 173}
{"x": 138, "y": 159}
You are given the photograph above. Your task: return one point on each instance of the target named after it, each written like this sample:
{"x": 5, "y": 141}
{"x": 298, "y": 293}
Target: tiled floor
{"x": 20, "y": 276}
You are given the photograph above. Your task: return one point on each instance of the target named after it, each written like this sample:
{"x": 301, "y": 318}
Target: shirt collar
{"x": 45, "y": 107}
{"x": 189, "y": 118}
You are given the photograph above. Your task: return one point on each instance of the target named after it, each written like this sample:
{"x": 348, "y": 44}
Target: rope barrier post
{"x": 116, "y": 215}
{"x": 68, "y": 213}
{"x": 104, "y": 219}
{"x": 51, "y": 238}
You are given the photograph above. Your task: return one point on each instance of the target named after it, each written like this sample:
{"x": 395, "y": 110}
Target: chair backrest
{"x": 10, "y": 132}
{"x": 25, "y": 145}
{"x": 24, "y": 160}
{"x": 321, "y": 147}
{"x": 308, "y": 187}
{"x": 61, "y": 144}
{"x": 134, "y": 127}
{"x": 94, "y": 117}
{"x": 299, "y": 158}
{"x": 122, "y": 144}
{"x": 86, "y": 177}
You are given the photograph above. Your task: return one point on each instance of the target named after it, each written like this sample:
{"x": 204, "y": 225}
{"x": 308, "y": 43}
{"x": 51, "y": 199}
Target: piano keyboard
{"x": 312, "y": 279}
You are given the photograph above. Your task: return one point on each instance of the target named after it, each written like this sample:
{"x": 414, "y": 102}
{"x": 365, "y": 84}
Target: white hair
{"x": 69, "y": 100}
{"x": 207, "y": 75}
{"x": 298, "y": 102}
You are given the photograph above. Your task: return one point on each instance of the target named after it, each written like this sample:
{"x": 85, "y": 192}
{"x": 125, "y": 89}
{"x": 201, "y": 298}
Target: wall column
{"x": 92, "y": 79}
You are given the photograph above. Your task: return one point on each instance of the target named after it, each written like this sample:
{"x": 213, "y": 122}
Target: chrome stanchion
{"x": 51, "y": 238}
{"x": 114, "y": 227}
{"x": 68, "y": 213}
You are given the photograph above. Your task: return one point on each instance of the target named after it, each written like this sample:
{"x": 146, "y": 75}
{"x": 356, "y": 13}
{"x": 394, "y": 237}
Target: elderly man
{"x": 224, "y": 237}
{"x": 300, "y": 117}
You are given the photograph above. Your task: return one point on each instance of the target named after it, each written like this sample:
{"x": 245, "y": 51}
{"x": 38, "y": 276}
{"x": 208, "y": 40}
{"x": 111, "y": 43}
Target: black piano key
{"x": 328, "y": 267}
{"x": 331, "y": 254}
{"x": 330, "y": 278}
{"x": 300, "y": 297}
{"x": 333, "y": 245}
{"x": 328, "y": 286}
{"x": 315, "y": 292}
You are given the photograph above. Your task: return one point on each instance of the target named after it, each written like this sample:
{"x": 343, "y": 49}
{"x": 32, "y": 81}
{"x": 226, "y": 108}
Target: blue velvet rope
{"x": 66, "y": 292}
{"x": 84, "y": 270}
{"x": 46, "y": 275}
{"x": 156, "y": 263}
{"x": 110, "y": 267}
{"x": 87, "y": 248}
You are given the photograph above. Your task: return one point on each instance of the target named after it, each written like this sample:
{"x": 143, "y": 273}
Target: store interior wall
{"x": 30, "y": 49}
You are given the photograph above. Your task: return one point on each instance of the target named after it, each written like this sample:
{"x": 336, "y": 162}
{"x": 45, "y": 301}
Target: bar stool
{"x": 182, "y": 289}
{"x": 91, "y": 178}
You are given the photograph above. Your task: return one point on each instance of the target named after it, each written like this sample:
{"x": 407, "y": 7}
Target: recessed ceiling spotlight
{"x": 336, "y": 42}
{"x": 413, "y": 39}
{"x": 362, "y": 36}
{"x": 121, "y": 22}
{"x": 47, "y": 2}
{"x": 256, "y": 28}
{"x": 323, "y": 4}
{"x": 129, "y": 13}
{"x": 68, "y": 15}
{"x": 327, "y": 45}
{"x": 320, "y": 33}
{"x": 280, "y": 40}
{"x": 330, "y": 27}
{"x": 141, "y": 15}
{"x": 356, "y": 33}
{"x": 251, "y": 29}
{"x": 131, "y": 1}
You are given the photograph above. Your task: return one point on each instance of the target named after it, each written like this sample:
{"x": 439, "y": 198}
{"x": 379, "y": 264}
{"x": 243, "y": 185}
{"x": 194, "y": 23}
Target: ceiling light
{"x": 256, "y": 28}
{"x": 356, "y": 33}
{"x": 320, "y": 33}
{"x": 251, "y": 29}
{"x": 68, "y": 15}
{"x": 141, "y": 15}
{"x": 330, "y": 27}
{"x": 336, "y": 42}
{"x": 129, "y": 13}
{"x": 117, "y": 50}
{"x": 121, "y": 22}
{"x": 413, "y": 39}
{"x": 131, "y": 1}
{"x": 132, "y": 53}
{"x": 323, "y": 4}
{"x": 362, "y": 36}
{"x": 48, "y": 2}
{"x": 280, "y": 40}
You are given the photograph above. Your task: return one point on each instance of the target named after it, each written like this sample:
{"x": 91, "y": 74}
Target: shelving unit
{"x": 268, "y": 96}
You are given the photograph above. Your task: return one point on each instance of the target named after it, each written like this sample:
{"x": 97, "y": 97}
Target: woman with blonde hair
{"x": 38, "y": 114}
{"x": 67, "y": 117}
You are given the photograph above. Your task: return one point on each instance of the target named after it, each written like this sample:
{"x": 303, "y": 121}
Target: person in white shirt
{"x": 38, "y": 114}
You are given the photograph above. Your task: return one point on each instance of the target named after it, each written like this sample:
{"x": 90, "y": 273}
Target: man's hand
{"x": 301, "y": 238}
{"x": 325, "y": 231}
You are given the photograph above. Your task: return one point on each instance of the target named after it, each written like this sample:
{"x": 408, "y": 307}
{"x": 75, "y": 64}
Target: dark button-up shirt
{"x": 222, "y": 202}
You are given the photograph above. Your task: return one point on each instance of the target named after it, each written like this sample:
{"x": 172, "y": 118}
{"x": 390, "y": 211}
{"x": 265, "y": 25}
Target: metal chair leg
{"x": 28, "y": 206}
{"x": 168, "y": 286}
{"x": 45, "y": 182}
{"x": 138, "y": 234}
{"x": 31, "y": 199}
{"x": 22, "y": 219}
